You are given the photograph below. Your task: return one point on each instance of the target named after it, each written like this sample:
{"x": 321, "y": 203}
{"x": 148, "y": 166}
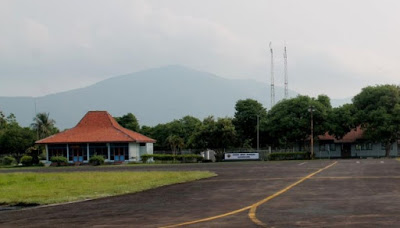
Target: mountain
{"x": 155, "y": 96}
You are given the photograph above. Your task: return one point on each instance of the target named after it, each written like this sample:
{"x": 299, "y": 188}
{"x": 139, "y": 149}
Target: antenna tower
{"x": 286, "y": 73}
{"x": 272, "y": 76}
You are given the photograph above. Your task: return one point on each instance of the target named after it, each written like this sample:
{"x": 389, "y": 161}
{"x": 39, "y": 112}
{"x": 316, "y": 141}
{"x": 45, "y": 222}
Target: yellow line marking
{"x": 253, "y": 209}
{"x": 359, "y": 177}
{"x": 208, "y": 219}
{"x": 248, "y": 207}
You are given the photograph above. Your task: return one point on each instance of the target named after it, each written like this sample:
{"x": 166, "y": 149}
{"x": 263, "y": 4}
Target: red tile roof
{"x": 350, "y": 137}
{"x": 95, "y": 127}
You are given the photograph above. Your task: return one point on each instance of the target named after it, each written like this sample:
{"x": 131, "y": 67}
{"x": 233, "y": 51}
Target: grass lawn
{"x": 48, "y": 188}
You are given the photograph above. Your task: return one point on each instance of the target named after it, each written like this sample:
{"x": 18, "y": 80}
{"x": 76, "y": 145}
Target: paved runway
{"x": 319, "y": 193}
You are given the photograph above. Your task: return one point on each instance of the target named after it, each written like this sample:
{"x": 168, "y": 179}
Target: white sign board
{"x": 242, "y": 156}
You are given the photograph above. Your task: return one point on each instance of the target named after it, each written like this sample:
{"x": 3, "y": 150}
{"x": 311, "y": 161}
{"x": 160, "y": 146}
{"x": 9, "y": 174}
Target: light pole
{"x": 258, "y": 133}
{"x": 311, "y": 110}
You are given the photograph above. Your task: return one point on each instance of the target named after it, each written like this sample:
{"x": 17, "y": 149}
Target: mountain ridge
{"x": 155, "y": 96}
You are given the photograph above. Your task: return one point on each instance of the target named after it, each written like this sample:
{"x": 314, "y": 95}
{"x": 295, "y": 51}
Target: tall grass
{"x": 48, "y": 188}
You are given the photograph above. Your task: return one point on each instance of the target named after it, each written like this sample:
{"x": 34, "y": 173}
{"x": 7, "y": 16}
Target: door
{"x": 346, "y": 150}
{"x": 77, "y": 155}
{"x": 119, "y": 155}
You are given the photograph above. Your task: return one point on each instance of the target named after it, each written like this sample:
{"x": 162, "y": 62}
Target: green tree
{"x": 44, "y": 125}
{"x": 16, "y": 141}
{"x": 341, "y": 120}
{"x": 175, "y": 142}
{"x": 184, "y": 128}
{"x": 289, "y": 121}
{"x": 3, "y": 121}
{"x": 378, "y": 113}
{"x": 128, "y": 121}
{"x": 245, "y": 120}
{"x": 215, "y": 135}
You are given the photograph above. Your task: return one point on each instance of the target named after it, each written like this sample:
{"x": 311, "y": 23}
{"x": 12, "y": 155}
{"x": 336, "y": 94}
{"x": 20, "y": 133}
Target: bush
{"x": 146, "y": 157}
{"x": 8, "y": 160}
{"x": 42, "y": 156}
{"x": 59, "y": 160}
{"x": 190, "y": 158}
{"x": 170, "y": 157}
{"x": 96, "y": 160}
{"x": 288, "y": 156}
{"x": 26, "y": 160}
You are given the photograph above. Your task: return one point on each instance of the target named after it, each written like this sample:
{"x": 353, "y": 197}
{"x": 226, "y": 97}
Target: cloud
{"x": 52, "y": 46}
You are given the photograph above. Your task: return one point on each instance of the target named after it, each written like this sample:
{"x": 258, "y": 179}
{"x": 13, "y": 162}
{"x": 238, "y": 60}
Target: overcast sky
{"x": 334, "y": 47}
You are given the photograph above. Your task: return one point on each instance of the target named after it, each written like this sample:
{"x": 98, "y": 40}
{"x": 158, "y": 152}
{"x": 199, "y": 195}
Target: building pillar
{"x": 109, "y": 151}
{"x": 47, "y": 152}
{"x": 87, "y": 151}
{"x": 67, "y": 153}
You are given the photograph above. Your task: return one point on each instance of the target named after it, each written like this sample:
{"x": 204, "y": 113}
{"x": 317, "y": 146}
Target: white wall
{"x": 134, "y": 152}
{"x": 149, "y": 147}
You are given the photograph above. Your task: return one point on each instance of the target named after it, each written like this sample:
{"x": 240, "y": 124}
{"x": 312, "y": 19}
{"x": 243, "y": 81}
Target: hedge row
{"x": 288, "y": 156}
{"x": 8, "y": 160}
{"x": 171, "y": 157}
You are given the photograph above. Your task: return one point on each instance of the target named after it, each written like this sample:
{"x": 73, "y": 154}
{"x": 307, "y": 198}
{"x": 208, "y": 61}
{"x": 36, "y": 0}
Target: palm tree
{"x": 43, "y": 125}
{"x": 175, "y": 142}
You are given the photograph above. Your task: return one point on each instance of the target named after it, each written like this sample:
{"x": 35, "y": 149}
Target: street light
{"x": 258, "y": 133}
{"x": 311, "y": 110}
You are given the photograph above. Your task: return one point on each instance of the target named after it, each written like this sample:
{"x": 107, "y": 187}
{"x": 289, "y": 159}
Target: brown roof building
{"x": 98, "y": 134}
{"x": 353, "y": 144}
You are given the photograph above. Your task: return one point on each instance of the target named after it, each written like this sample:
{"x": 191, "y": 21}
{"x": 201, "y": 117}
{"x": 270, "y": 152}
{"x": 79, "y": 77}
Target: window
{"x": 98, "y": 149}
{"x": 364, "y": 146}
{"x": 142, "y": 144}
{"x": 57, "y": 150}
{"x": 383, "y": 146}
{"x": 368, "y": 146}
{"x": 322, "y": 147}
{"x": 332, "y": 147}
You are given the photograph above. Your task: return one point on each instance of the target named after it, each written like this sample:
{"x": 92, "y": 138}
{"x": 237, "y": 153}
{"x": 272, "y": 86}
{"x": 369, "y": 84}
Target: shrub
{"x": 170, "y": 157}
{"x": 26, "y": 160}
{"x": 42, "y": 156}
{"x": 288, "y": 156}
{"x": 146, "y": 157}
{"x": 96, "y": 160}
{"x": 190, "y": 158}
{"x": 59, "y": 160}
{"x": 8, "y": 160}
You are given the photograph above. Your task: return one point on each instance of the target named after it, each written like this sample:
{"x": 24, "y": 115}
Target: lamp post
{"x": 311, "y": 110}
{"x": 258, "y": 133}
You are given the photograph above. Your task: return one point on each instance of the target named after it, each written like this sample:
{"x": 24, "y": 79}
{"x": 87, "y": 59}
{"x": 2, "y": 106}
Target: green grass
{"x": 49, "y": 188}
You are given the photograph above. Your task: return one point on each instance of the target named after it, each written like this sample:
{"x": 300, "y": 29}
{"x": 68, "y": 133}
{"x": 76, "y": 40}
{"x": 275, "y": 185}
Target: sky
{"x": 335, "y": 47}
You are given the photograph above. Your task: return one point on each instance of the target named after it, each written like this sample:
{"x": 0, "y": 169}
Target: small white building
{"x": 98, "y": 133}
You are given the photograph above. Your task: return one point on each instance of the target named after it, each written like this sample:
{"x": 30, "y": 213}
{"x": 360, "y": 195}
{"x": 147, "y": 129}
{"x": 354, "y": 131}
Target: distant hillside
{"x": 155, "y": 96}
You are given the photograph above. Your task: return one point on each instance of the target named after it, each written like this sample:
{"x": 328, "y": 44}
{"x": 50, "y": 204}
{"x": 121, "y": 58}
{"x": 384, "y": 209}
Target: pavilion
{"x": 98, "y": 133}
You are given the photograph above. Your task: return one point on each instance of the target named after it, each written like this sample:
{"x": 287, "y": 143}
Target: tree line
{"x": 376, "y": 109}
{"x": 17, "y": 141}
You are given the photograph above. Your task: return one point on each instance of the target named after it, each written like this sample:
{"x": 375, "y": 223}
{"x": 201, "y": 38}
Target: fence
{"x": 263, "y": 152}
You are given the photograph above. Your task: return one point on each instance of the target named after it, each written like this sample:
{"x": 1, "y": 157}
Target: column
{"x": 67, "y": 153}
{"x": 87, "y": 151}
{"x": 47, "y": 152}
{"x": 109, "y": 151}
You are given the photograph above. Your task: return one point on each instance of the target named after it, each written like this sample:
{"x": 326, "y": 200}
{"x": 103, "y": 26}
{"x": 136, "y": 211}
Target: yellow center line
{"x": 252, "y": 207}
